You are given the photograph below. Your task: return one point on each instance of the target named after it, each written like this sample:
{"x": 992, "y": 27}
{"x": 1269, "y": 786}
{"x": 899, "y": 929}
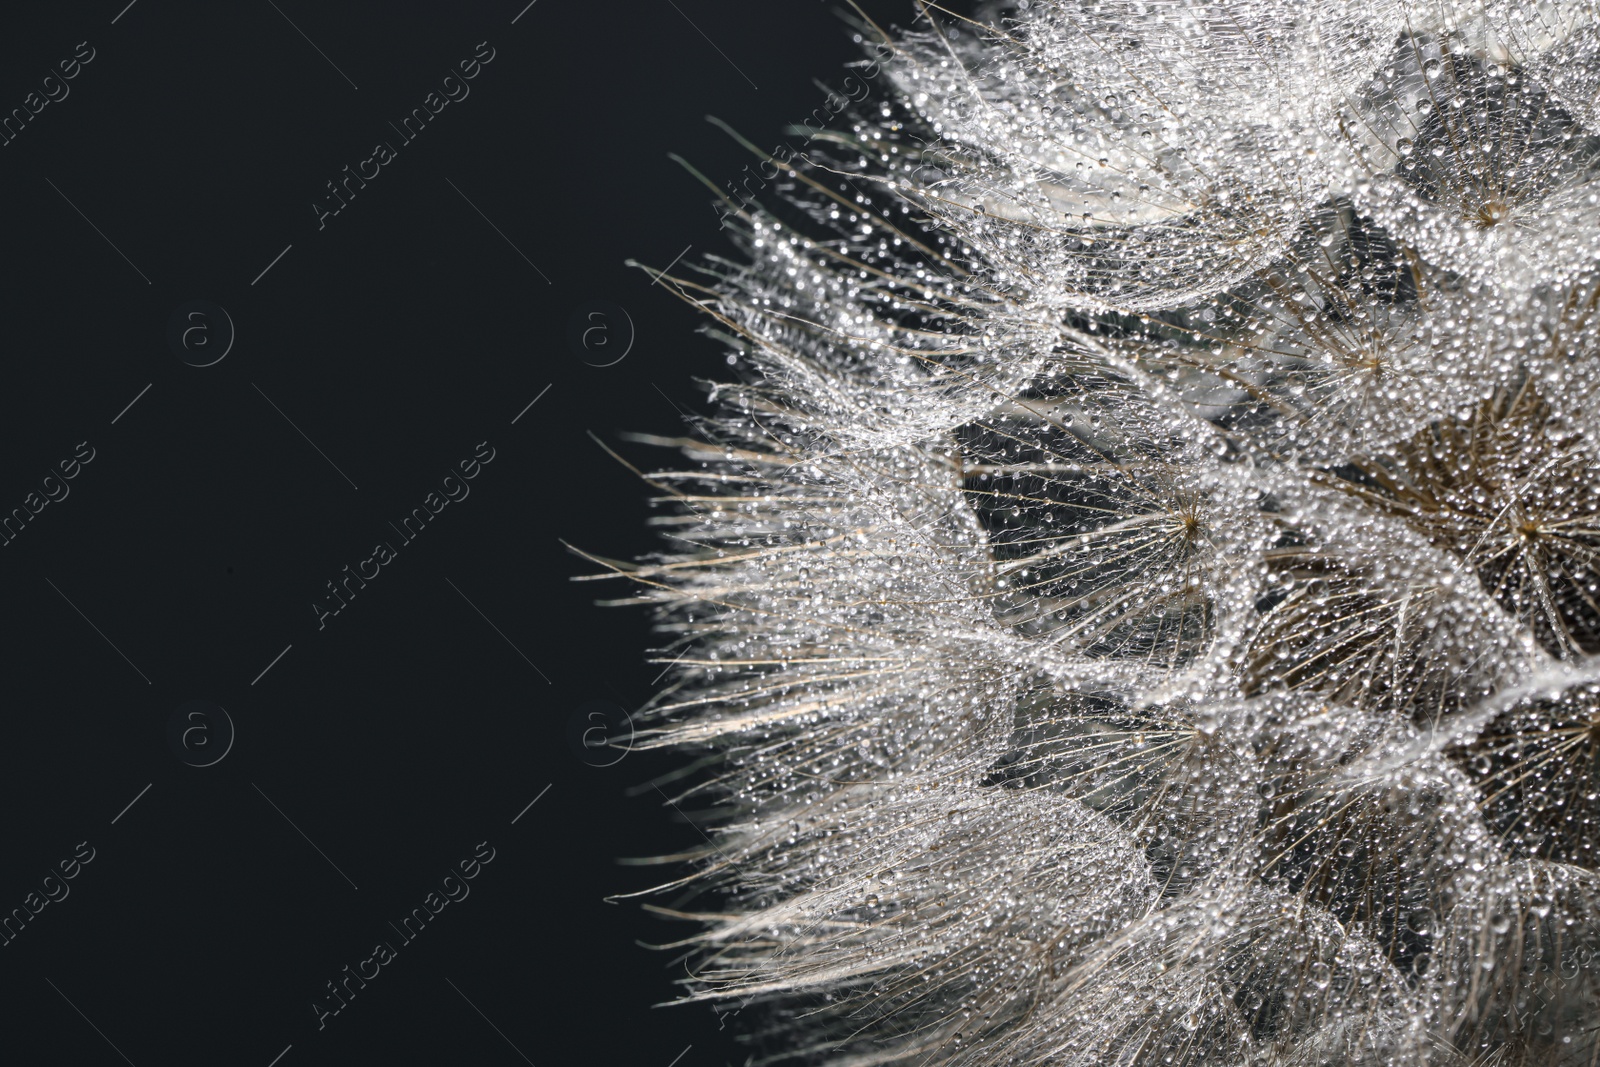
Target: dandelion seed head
{"x": 1140, "y": 604}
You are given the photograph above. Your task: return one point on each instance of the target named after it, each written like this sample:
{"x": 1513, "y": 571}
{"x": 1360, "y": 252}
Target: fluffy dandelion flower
{"x": 1140, "y": 607}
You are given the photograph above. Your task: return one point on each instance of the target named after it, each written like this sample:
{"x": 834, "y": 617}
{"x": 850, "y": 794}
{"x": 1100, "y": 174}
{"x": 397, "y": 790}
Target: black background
{"x": 418, "y": 721}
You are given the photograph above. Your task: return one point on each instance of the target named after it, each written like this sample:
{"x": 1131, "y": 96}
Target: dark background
{"x": 376, "y": 353}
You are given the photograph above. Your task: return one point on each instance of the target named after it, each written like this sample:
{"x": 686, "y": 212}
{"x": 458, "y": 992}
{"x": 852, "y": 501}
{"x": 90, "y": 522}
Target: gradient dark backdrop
{"x": 375, "y": 354}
